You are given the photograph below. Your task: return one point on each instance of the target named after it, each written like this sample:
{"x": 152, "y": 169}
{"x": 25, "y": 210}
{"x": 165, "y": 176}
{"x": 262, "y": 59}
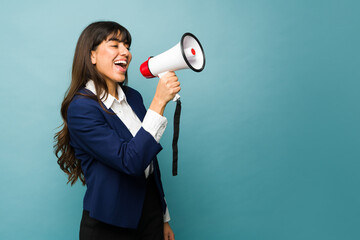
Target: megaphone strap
{"x": 176, "y": 136}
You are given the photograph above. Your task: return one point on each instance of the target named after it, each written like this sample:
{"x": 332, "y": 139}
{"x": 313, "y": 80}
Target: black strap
{"x": 176, "y": 136}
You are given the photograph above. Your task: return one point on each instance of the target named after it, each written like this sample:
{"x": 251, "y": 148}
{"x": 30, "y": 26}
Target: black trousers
{"x": 151, "y": 225}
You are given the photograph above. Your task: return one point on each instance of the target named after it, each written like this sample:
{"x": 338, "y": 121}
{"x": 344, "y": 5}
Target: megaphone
{"x": 188, "y": 53}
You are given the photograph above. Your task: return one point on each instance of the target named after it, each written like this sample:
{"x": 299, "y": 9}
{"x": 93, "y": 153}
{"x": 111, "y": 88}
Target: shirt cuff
{"x": 166, "y": 215}
{"x": 154, "y": 124}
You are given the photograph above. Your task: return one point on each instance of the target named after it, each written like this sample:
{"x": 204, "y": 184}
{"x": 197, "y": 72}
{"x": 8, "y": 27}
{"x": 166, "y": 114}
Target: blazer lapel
{"x": 119, "y": 126}
{"x": 136, "y": 105}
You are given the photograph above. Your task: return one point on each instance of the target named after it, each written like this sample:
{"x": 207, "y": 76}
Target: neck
{"x": 112, "y": 88}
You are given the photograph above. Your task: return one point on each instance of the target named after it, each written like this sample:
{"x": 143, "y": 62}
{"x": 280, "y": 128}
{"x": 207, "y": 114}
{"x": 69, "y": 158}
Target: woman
{"x": 110, "y": 141}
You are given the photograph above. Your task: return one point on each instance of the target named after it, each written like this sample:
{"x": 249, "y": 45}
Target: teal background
{"x": 269, "y": 141}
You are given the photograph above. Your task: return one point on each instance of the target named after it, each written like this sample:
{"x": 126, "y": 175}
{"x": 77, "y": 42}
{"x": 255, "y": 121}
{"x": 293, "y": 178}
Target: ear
{"x": 93, "y": 57}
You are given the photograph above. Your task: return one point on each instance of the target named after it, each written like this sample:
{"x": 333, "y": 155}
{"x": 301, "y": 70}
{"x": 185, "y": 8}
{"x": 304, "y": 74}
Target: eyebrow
{"x": 116, "y": 39}
{"x": 113, "y": 39}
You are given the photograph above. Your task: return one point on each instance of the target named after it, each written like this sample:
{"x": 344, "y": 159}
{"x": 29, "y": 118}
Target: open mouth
{"x": 122, "y": 64}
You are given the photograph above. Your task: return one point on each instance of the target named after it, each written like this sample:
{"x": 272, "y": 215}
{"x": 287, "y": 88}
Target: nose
{"x": 123, "y": 50}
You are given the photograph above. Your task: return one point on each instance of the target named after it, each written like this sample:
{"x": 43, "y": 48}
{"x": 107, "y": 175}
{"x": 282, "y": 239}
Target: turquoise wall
{"x": 269, "y": 141}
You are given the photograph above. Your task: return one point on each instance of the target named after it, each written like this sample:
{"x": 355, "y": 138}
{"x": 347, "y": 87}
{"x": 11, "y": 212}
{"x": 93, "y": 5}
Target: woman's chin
{"x": 119, "y": 79}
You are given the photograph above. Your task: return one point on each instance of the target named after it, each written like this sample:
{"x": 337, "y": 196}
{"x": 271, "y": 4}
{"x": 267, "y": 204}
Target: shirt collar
{"x": 108, "y": 102}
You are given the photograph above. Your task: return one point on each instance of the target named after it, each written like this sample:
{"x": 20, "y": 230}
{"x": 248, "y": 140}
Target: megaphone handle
{"x": 177, "y": 96}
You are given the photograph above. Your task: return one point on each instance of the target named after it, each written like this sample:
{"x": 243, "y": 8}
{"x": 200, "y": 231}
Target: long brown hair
{"x": 82, "y": 71}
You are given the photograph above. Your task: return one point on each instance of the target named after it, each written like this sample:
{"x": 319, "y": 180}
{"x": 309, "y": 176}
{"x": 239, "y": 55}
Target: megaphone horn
{"x": 188, "y": 53}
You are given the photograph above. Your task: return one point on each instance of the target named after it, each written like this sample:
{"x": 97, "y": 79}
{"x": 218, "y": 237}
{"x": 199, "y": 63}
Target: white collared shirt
{"x": 153, "y": 122}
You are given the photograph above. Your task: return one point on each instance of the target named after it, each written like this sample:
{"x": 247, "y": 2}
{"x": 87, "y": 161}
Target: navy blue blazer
{"x": 113, "y": 161}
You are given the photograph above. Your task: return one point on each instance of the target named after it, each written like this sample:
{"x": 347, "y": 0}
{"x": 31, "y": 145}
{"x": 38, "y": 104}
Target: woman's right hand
{"x": 166, "y": 90}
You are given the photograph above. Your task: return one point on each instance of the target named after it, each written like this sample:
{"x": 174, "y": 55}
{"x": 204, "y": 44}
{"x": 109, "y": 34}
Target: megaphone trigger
{"x": 162, "y": 74}
{"x": 177, "y": 96}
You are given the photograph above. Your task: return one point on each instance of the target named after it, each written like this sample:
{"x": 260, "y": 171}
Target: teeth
{"x": 120, "y": 62}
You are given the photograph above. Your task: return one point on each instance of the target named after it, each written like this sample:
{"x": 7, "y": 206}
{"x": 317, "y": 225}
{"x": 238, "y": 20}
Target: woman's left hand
{"x": 168, "y": 233}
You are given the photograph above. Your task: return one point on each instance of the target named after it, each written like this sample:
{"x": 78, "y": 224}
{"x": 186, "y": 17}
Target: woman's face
{"x": 112, "y": 58}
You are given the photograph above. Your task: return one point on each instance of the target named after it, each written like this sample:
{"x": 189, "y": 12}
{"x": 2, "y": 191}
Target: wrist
{"x": 158, "y": 106}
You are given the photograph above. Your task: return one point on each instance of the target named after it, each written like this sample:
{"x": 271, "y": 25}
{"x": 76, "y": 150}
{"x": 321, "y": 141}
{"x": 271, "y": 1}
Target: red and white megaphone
{"x": 188, "y": 53}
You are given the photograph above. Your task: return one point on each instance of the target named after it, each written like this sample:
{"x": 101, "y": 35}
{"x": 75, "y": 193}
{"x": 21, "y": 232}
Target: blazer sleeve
{"x": 91, "y": 132}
